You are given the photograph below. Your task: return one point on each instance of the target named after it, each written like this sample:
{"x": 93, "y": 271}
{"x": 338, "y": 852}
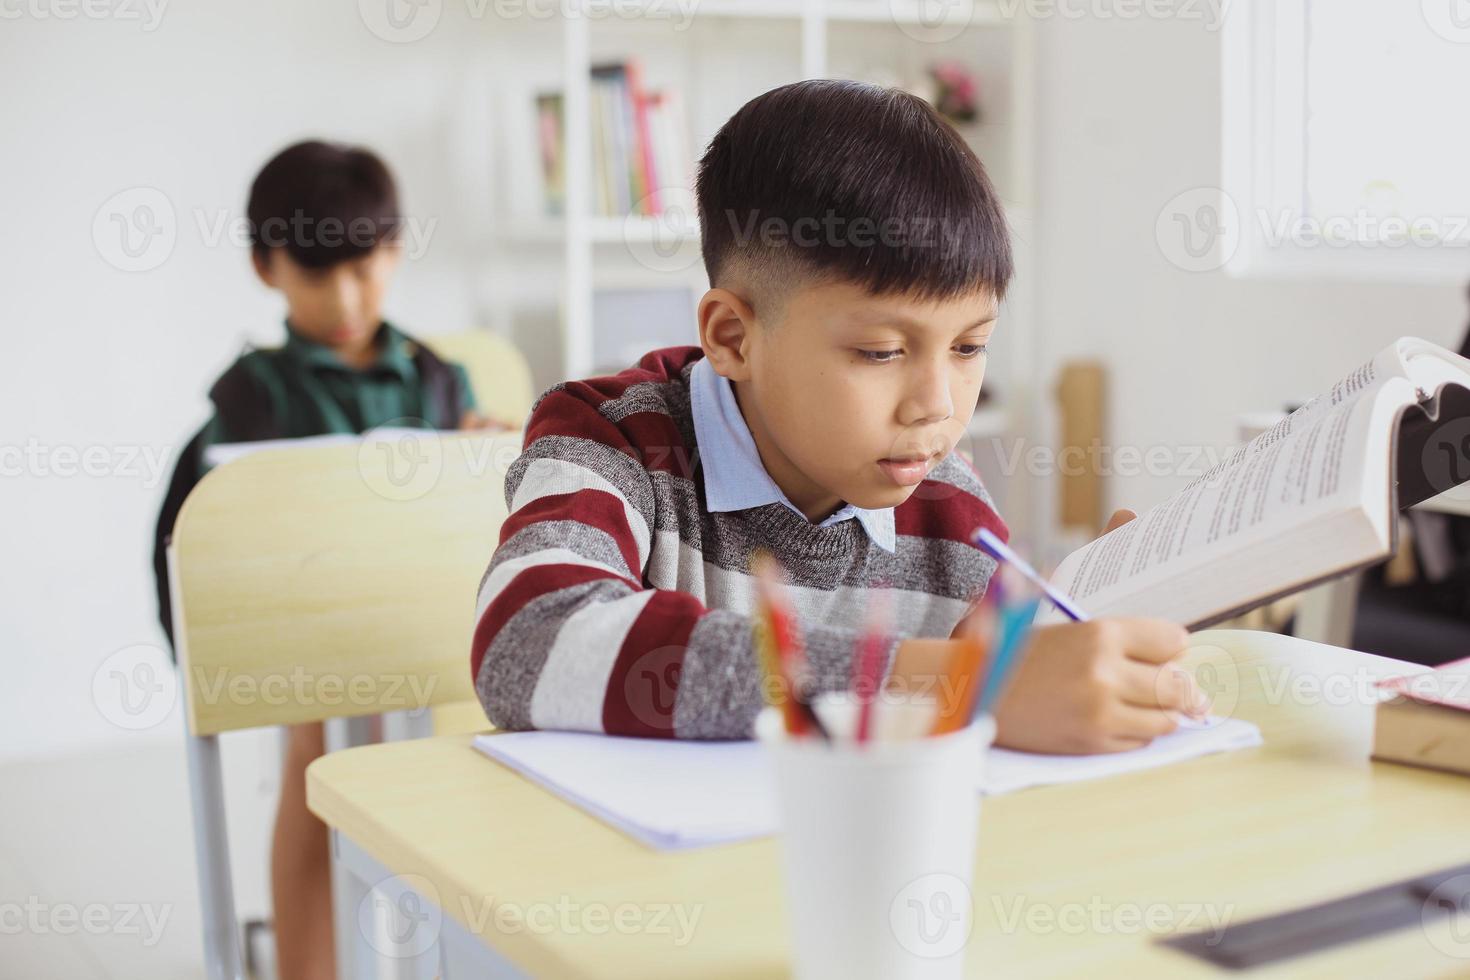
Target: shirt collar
{"x": 734, "y": 477}
{"x": 395, "y": 352}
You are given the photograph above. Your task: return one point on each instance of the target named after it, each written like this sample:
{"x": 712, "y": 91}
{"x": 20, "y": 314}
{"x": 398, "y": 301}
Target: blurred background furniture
{"x": 498, "y": 372}
{"x": 315, "y": 584}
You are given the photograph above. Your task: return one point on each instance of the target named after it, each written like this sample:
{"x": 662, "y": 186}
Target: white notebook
{"x": 227, "y": 452}
{"x": 673, "y": 795}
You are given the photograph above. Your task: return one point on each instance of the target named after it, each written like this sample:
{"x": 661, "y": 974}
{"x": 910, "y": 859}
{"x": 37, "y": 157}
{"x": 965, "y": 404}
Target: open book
{"x": 1313, "y": 497}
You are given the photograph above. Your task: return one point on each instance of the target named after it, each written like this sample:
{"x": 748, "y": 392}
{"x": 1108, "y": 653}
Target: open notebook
{"x": 673, "y": 795}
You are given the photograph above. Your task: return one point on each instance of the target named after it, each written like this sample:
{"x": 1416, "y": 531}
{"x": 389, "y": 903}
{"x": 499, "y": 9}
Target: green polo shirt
{"x": 310, "y": 391}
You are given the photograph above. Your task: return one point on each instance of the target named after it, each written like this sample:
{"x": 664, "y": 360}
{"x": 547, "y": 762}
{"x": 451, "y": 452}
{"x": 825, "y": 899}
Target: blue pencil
{"x": 1014, "y": 628}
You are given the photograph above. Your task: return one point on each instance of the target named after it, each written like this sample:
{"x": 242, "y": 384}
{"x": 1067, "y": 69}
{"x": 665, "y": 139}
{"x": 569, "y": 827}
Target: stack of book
{"x": 640, "y": 158}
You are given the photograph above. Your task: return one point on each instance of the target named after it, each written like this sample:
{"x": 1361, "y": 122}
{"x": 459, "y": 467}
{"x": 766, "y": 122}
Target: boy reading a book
{"x": 857, "y": 253}
{"x": 324, "y": 224}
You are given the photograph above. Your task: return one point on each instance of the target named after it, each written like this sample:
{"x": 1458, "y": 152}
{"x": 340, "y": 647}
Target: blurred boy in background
{"x": 324, "y": 225}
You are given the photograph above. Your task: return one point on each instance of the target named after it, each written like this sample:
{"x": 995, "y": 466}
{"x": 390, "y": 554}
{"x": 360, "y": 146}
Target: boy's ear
{"x": 262, "y": 263}
{"x": 726, "y": 325}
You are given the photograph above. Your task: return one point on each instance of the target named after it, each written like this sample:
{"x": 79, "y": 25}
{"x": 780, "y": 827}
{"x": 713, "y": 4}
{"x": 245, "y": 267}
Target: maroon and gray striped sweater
{"x": 616, "y": 602}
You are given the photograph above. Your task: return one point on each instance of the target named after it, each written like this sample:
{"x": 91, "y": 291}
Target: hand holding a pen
{"x": 1101, "y": 686}
{"x": 1093, "y": 685}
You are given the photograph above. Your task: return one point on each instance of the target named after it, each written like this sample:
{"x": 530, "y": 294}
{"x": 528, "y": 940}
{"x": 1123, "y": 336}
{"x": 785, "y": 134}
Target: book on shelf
{"x": 1315, "y": 496}
{"x": 639, "y": 146}
{"x": 553, "y": 154}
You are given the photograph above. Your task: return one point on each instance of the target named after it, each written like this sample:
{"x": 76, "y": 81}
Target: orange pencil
{"x": 960, "y": 686}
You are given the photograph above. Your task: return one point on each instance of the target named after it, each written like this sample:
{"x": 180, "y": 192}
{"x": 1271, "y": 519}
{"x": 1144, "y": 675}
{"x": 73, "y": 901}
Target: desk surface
{"x": 1063, "y": 876}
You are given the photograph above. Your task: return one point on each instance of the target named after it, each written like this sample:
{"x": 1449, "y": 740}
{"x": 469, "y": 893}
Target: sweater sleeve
{"x": 567, "y": 634}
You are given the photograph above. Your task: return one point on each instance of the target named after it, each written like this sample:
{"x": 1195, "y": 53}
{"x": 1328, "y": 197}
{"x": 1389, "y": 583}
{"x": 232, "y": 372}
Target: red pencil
{"x": 867, "y": 665}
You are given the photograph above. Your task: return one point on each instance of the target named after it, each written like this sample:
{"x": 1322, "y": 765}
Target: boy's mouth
{"x": 345, "y": 333}
{"x": 908, "y": 470}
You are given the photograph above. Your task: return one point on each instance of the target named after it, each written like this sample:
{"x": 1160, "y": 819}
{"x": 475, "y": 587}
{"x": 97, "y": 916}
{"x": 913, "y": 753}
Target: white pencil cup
{"x": 879, "y": 844}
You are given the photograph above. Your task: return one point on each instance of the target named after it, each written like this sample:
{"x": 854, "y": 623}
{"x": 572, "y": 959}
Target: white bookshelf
{"x": 731, "y": 51}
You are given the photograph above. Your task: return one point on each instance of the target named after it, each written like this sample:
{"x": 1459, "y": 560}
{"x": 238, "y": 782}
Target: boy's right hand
{"x": 1100, "y": 686}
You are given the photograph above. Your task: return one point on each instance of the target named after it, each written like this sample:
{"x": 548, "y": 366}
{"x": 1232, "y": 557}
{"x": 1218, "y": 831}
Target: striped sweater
{"x": 616, "y": 602}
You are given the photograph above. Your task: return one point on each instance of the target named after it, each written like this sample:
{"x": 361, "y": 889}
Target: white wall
{"x": 1129, "y": 116}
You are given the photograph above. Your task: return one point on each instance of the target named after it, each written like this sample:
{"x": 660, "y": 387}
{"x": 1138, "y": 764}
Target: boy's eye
{"x": 879, "y": 356}
{"x": 968, "y": 351}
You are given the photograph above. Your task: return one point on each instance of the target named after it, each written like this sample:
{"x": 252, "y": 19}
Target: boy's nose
{"x": 347, "y": 295}
{"x": 929, "y": 399}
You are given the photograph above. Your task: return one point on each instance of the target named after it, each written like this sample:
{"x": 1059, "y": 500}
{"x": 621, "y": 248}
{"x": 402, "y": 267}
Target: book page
{"x": 1448, "y": 684}
{"x": 1389, "y": 363}
{"x": 1312, "y": 464}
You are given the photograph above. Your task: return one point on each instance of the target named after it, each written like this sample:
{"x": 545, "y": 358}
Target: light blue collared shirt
{"x": 734, "y": 477}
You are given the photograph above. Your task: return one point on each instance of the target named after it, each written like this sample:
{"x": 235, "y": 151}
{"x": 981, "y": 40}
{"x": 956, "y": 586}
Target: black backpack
{"x": 238, "y": 399}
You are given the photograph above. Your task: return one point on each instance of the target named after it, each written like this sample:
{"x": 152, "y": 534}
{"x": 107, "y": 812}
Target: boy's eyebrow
{"x": 867, "y": 319}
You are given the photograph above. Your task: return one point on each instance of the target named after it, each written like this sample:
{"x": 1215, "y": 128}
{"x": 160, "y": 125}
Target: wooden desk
{"x": 1306, "y": 817}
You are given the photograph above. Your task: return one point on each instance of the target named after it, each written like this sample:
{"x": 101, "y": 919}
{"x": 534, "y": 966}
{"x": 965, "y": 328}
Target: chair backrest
{"x": 498, "y": 372}
{"x": 332, "y": 581}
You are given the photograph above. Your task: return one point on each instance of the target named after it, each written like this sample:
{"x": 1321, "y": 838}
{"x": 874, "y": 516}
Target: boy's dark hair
{"x": 840, "y": 180}
{"x": 323, "y": 203}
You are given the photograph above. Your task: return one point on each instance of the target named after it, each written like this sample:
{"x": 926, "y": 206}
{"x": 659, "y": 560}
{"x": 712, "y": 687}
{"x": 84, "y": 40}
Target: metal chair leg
{"x": 212, "y": 857}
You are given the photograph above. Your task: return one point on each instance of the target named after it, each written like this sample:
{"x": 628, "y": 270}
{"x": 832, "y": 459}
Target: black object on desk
{"x": 1410, "y": 902}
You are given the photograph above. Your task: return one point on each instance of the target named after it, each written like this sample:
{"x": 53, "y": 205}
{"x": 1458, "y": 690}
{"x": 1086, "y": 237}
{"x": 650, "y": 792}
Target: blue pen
{"x": 1014, "y": 628}
{"x": 993, "y": 546}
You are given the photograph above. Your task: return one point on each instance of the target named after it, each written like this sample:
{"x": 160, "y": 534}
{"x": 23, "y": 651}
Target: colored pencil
{"x": 789, "y": 651}
{"x": 867, "y": 665}
{"x": 963, "y": 676}
{"x": 987, "y": 541}
{"x": 1015, "y": 628}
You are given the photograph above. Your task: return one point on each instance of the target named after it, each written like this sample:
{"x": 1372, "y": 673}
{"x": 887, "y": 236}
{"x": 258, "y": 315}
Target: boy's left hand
{"x": 472, "y": 421}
